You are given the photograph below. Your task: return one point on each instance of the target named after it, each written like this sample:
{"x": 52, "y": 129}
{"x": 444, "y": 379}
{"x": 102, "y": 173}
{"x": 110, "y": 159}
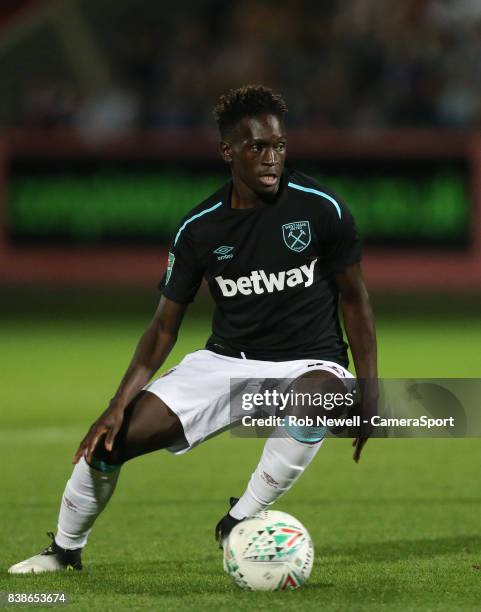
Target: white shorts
{"x": 198, "y": 389}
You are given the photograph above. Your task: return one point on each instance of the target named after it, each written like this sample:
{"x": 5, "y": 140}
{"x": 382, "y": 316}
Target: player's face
{"x": 257, "y": 153}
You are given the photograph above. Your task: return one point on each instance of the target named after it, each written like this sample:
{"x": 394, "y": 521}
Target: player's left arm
{"x": 361, "y": 333}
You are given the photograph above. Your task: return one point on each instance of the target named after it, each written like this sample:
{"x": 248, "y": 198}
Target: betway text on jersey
{"x": 259, "y": 281}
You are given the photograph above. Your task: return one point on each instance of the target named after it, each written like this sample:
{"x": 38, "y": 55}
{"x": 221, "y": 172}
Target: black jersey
{"x": 270, "y": 270}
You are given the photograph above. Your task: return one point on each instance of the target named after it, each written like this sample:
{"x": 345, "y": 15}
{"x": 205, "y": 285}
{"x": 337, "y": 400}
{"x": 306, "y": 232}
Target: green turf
{"x": 399, "y": 531}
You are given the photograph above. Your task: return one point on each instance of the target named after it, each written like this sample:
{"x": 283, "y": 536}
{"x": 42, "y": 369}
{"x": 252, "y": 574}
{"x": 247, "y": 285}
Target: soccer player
{"x": 279, "y": 253}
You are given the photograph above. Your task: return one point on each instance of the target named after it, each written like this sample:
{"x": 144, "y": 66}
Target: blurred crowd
{"x": 342, "y": 63}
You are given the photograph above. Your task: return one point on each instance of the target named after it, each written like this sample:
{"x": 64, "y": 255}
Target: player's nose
{"x": 269, "y": 158}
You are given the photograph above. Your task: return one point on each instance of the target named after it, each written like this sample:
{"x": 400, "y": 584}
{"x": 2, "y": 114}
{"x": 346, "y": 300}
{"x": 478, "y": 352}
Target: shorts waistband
{"x": 227, "y": 352}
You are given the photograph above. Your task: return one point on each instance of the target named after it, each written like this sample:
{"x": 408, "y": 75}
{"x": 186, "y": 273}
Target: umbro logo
{"x": 224, "y": 252}
{"x": 270, "y": 481}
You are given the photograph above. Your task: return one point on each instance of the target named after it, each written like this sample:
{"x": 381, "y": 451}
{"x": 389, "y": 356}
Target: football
{"x": 271, "y": 551}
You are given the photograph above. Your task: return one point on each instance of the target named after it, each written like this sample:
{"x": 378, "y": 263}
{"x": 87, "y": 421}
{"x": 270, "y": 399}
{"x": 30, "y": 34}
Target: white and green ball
{"x": 272, "y": 551}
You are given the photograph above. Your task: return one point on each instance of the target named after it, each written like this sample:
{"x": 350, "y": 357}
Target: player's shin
{"x": 86, "y": 495}
{"x": 283, "y": 461}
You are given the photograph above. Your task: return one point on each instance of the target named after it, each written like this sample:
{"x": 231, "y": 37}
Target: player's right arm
{"x": 179, "y": 286}
{"x": 151, "y": 352}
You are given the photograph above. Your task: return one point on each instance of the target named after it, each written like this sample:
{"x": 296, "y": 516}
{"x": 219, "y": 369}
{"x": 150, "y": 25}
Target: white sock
{"x": 85, "y": 496}
{"x": 282, "y": 462}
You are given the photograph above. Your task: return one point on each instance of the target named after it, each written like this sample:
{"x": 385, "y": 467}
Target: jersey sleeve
{"x": 342, "y": 243}
{"x": 184, "y": 273}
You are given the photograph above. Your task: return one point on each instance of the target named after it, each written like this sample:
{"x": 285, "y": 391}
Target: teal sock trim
{"x": 307, "y": 435}
{"x": 104, "y": 467}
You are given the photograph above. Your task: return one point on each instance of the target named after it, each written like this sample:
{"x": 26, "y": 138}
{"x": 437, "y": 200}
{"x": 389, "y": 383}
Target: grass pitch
{"x": 399, "y": 531}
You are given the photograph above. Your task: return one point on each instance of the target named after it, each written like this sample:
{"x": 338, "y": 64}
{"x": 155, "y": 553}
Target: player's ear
{"x": 225, "y": 151}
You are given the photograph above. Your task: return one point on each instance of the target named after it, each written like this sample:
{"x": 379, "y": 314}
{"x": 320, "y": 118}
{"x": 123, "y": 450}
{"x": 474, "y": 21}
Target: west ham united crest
{"x": 297, "y": 235}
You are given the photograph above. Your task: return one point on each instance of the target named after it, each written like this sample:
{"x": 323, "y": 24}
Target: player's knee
{"x": 106, "y": 460}
{"x": 313, "y": 395}
{"x": 149, "y": 425}
{"x": 317, "y": 392}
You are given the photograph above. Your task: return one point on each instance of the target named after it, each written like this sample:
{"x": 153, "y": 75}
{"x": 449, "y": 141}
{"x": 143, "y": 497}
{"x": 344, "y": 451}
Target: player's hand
{"x": 358, "y": 444}
{"x": 368, "y": 408}
{"x": 365, "y": 430}
{"x": 108, "y": 425}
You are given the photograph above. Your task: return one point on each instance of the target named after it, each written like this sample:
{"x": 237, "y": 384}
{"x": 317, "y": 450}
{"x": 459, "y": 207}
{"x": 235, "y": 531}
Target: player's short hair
{"x": 247, "y": 101}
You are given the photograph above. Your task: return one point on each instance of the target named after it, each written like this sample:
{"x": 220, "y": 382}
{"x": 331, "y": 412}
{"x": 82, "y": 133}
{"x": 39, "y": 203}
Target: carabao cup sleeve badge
{"x": 170, "y": 266}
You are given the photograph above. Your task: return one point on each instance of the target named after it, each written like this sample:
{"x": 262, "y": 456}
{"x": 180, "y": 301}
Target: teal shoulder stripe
{"x": 193, "y": 218}
{"x": 319, "y": 193}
